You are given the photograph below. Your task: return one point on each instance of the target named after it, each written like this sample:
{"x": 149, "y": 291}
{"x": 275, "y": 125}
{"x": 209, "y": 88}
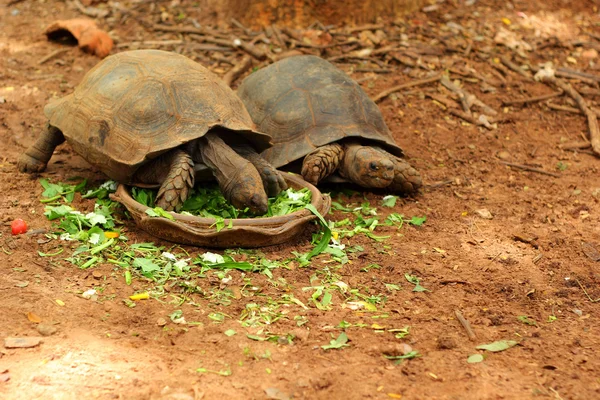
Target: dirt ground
{"x": 529, "y": 259}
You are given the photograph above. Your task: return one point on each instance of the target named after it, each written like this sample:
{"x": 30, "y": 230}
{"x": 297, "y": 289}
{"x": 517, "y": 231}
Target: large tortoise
{"x": 316, "y": 112}
{"x": 147, "y": 116}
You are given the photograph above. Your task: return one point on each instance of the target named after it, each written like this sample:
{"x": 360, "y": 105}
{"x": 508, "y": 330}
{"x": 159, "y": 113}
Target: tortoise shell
{"x": 135, "y": 105}
{"x": 305, "y": 102}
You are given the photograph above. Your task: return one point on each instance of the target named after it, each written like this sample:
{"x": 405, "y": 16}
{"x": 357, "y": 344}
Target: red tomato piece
{"x": 18, "y": 226}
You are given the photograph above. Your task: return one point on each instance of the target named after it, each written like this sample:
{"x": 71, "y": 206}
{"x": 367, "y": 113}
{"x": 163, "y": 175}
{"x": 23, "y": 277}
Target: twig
{"x": 571, "y": 73}
{"x": 465, "y": 324}
{"x": 574, "y": 146}
{"x": 594, "y": 130}
{"x": 530, "y": 169}
{"x": 90, "y": 11}
{"x": 533, "y": 99}
{"x": 466, "y": 98}
{"x": 375, "y": 70}
{"x": 469, "y": 118}
{"x": 586, "y": 293}
{"x": 514, "y": 67}
{"x": 369, "y": 27}
{"x": 398, "y": 88}
{"x": 150, "y": 43}
{"x": 52, "y": 55}
{"x": 244, "y": 65}
{"x": 439, "y": 184}
{"x": 241, "y": 26}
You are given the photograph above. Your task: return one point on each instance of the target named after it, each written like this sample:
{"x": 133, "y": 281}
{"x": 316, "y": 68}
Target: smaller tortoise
{"x": 148, "y": 117}
{"x": 316, "y": 112}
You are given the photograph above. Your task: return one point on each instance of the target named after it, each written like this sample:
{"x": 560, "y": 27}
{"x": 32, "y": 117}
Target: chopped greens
{"x": 209, "y": 202}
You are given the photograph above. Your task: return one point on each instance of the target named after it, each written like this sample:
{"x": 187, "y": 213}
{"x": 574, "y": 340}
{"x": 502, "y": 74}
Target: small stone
{"x": 21, "y": 342}
{"x": 484, "y": 213}
{"x": 504, "y": 155}
{"x": 161, "y": 322}
{"x": 4, "y": 376}
{"x": 590, "y": 54}
{"x": 274, "y": 393}
{"x": 46, "y": 330}
{"x": 97, "y": 274}
{"x": 446, "y": 343}
{"x": 303, "y": 383}
{"x": 300, "y": 334}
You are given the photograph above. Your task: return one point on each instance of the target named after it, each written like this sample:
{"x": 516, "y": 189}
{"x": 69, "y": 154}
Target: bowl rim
{"x": 123, "y": 195}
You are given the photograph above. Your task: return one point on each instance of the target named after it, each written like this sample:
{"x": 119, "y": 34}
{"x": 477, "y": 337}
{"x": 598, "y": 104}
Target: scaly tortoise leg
{"x": 36, "y": 157}
{"x": 322, "y": 162}
{"x": 272, "y": 180}
{"x": 406, "y": 178}
{"x": 238, "y": 179}
{"x": 366, "y": 166}
{"x": 174, "y": 171}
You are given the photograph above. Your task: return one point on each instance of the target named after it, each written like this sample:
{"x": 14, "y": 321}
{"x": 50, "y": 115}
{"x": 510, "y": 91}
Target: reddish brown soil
{"x": 107, "y": 350}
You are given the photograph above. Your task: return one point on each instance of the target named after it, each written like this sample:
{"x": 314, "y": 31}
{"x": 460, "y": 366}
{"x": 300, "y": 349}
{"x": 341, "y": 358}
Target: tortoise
{"x": 147, "y": 117}
{"x": 316, "y": 112}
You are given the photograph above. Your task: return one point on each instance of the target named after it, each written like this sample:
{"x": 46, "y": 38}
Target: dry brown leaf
{"x": 90, "y": 38}
{"x": 33, "y": 317}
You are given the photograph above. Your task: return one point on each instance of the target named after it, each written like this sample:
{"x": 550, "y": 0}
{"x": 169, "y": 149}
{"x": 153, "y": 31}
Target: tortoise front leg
{"x": 36, "y": 157}
{"x": 238, "y": 179}
{"x": 174, "y": 171}
{"x": 406, "y": 178}
{"x": 272, "y": 180}
{"x": 322, "y": 162}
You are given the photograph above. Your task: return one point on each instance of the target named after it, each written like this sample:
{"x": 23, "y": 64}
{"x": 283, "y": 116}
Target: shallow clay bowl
{"x": 245, "y": 232}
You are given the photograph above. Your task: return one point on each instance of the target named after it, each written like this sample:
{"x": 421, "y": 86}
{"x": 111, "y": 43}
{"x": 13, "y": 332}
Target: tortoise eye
{"x": 373, "y": 165}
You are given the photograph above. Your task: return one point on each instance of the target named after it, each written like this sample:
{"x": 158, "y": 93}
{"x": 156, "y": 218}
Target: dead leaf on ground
{"x": 90, "y": 38}
{"x": 590, "y": 251}
{"x": 33, "y": 317}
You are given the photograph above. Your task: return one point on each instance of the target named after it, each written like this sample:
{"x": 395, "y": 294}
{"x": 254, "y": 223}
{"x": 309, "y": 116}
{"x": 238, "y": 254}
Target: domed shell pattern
{"x": 134, "y": 106}
{"x": 305, "y": 102}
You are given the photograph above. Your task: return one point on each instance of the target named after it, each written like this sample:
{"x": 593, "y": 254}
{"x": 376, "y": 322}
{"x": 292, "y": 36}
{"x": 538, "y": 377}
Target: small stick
{"x": 369, "y": 27}
{"x": 573, "y": 110}
{"x": 574, "y": 146}
{"x": 469, "y": 118}
{"x": 578, "y": 74}
{"x": 594, "y": 129}
{"x": 241, "y": 26}
{"x": 535, "y": 99}
{"x": 52, "y": 55}
{"x": 465, "y": 324}
{"x": 514, "y": 67}
{"x": 467, "y": 97}
{"x": 244, "y": 65}
{"x": 277, "y": 33}
{"x": 150, "y": 43}
{"x": 398, "y": 88}
{"x": 376, "y": 70}
{"x": 530, "y": 169}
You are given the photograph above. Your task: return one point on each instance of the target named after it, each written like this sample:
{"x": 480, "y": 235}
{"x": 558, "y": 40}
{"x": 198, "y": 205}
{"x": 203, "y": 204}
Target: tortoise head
{"x": 367, "y": 167}
{"x": 245, "y": 189}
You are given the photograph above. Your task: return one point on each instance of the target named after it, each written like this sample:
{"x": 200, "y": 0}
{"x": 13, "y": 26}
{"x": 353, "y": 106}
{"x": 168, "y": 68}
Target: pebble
{"x": 504, "y": 155}
{"x": 21, "y": 342}
{"x": 97, "y": 274}
{"x": 590, "y": 54}
{"x": 484, "y": 213}
{"x": 274, "y": 393}
{"x": 446, "y": 343}
{"x": 46, "y": 330}
{"x": 161, "y": 322}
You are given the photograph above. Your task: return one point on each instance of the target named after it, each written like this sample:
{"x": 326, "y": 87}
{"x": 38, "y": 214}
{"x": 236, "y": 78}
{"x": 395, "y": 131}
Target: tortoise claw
{"x": 30, "y": 164}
